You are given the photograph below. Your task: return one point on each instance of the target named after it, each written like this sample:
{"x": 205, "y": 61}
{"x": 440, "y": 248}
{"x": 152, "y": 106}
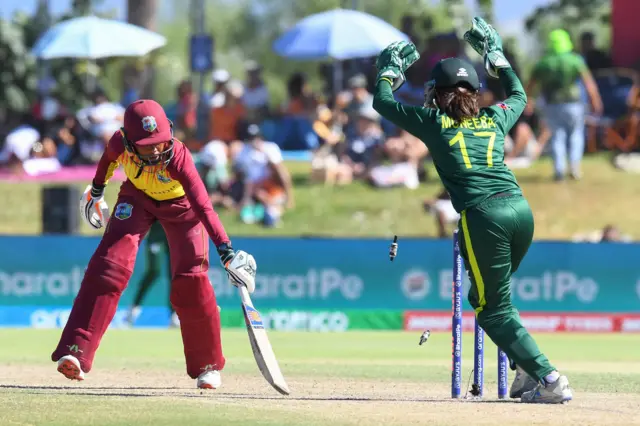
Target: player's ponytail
{"x": 458, "y": 102}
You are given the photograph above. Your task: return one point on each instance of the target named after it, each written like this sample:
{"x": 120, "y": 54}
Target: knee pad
{"x": 192, "y": 296}
{"x": 110, "y": 276}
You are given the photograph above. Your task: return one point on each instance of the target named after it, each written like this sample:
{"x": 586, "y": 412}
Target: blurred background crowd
{"x": 252, "y": 113}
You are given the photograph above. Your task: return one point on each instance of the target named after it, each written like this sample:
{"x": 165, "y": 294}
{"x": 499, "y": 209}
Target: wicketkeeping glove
{"x": 93, "y": 209}
{"x": 240, "y": 266}
{"x": 485, "y": 40}
{"x": 394, "y": 61}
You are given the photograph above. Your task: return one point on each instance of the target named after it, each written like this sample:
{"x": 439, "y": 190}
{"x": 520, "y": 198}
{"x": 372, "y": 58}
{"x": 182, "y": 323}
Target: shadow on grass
{"x": 125, "y": 392}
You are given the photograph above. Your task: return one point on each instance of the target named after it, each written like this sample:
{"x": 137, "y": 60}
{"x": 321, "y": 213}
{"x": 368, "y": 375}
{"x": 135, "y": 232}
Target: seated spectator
{"x": 442, "y": 208}
{"x": 220, "y": 79}
{"x": 325, "y": 167}
{"x": 267, "y": 189}
{"x": 609, "y": 234}
{"x": 25, "y": 152}
{"x": 66, "y": 134}
{"x": 522, "y": 146}
{"x": 406, "y": 154}
{"x": 213, "y": 168}
{"x": 225, "y": 119}
{"x": 362, "y": 151}
{"x": 101, "y": 120}
{"x": 295, "y": 131}
{"x": 256, "y": 95}
{"x": 353, "y": 101}
{"x": 301, "y": 101}
{"x": 18, "y": 146}
{"x": 187, "y": 111}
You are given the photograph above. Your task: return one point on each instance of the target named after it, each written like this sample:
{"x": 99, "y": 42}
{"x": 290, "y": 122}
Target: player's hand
{"x": 394, "y": 60}
{"x": 93, "y": 209}
{"x": 485, "y": 40}
{"x": 240, "y": 266}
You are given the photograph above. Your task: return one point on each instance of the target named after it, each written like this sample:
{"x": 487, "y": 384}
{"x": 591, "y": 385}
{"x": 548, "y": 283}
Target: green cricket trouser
{"x": 494, "y": 238}
{"x": 157, "y": 251}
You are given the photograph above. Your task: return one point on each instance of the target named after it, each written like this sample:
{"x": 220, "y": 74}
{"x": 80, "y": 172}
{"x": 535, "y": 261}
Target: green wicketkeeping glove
{"x": 485, "y": 40}
{"x": 394, "y": 60}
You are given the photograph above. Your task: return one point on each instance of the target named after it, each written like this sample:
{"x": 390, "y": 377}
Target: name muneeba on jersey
{"x": 475, "y": 123}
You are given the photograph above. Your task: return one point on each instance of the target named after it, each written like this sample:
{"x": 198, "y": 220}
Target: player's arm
{"x": 510, "y": 110}
{"x": 590, "y": 85}
{"x": 109, "y": 161}
{"x": 392, "y": 63}
{"x": 240, "y": 266}
{"x": 486, "y": 41}
{"x": 183, "y": 169}
{"x": 409, "y": 118}
{"x": 93, "y": 208}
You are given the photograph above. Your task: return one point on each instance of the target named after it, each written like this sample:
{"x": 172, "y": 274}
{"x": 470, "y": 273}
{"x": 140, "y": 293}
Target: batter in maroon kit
{"x": 162, "y": 185}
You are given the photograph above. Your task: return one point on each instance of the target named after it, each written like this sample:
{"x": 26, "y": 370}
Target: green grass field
{"x": 605, "y": 196}
{"x": 354, "y": 378}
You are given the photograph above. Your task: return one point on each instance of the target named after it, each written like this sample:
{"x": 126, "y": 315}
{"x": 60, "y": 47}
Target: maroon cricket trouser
{"x": 111, "y": 266}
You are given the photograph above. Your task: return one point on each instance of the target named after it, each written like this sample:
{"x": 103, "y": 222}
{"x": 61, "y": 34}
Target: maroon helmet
{"x": 146, "y": 123}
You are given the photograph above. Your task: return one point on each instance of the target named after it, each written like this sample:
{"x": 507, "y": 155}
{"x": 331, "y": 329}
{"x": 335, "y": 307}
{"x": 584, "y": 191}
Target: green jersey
{"x": 557, "y": 75}
{"x": 468, "y": 155}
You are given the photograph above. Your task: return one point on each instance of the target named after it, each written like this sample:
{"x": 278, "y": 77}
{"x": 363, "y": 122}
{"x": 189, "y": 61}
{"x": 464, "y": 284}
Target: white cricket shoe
{"x": 551, "y": 393}
{"x": 209, "y": 379}
{"x": 70, "y": 368}
{"x": 175, "y": 321}
{"x": 133, "y": 314}
{"x": 521, "y": 384}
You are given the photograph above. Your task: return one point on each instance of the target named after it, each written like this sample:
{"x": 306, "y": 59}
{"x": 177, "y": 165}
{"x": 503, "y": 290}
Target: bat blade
{"x": 261, "y": 346}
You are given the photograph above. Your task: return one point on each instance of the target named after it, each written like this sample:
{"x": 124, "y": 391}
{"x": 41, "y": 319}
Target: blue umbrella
{"x": 90, "y": 37}
{"x": 337, "y": 34}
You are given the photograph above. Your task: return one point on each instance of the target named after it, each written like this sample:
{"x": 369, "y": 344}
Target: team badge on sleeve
{"x": 149, "y": 123}
{"x": 504, "y": 106}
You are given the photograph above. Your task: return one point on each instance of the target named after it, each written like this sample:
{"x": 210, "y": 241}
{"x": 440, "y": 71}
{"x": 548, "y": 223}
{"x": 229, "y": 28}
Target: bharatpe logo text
{"x": 316, "y": 284}
{"x": 38, "y": 284}
{"x": 550, "y": 286}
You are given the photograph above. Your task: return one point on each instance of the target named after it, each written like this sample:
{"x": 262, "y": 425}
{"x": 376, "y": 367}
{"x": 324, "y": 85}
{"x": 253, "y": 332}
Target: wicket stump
{"x": 478, "y": 350}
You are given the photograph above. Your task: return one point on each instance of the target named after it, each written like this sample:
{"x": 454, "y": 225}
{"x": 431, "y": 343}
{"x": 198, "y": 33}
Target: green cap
{"x": 454, "y": 71}
{"x": 559, "y": 41}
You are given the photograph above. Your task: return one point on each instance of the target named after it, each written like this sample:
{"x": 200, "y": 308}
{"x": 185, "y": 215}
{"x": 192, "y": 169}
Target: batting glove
{"x": 240, "y": 266}
{"x": 93, "y": 209}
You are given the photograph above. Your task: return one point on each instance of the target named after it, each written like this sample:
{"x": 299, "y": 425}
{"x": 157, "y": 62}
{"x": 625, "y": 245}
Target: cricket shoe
{"x": 133, "y": 314}
{"x": 209, "y": 379}
{"x": 174, "y": 322}
{"x": 70, "y": 368}
{"x": 521, "y": 384}
{"x": 557, "y": 392}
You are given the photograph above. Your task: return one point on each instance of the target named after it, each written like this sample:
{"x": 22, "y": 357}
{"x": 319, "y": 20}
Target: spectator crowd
{"x": 246, "y": 137}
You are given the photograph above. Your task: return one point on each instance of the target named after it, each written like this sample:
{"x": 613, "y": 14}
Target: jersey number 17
{"x": 459, "y": 139}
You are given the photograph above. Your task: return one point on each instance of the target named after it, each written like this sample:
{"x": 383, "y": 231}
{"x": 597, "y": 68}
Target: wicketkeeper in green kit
{"x": 496, "y": 224}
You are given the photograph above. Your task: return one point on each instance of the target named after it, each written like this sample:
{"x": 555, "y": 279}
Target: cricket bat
{"x": 260, "y": 345}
